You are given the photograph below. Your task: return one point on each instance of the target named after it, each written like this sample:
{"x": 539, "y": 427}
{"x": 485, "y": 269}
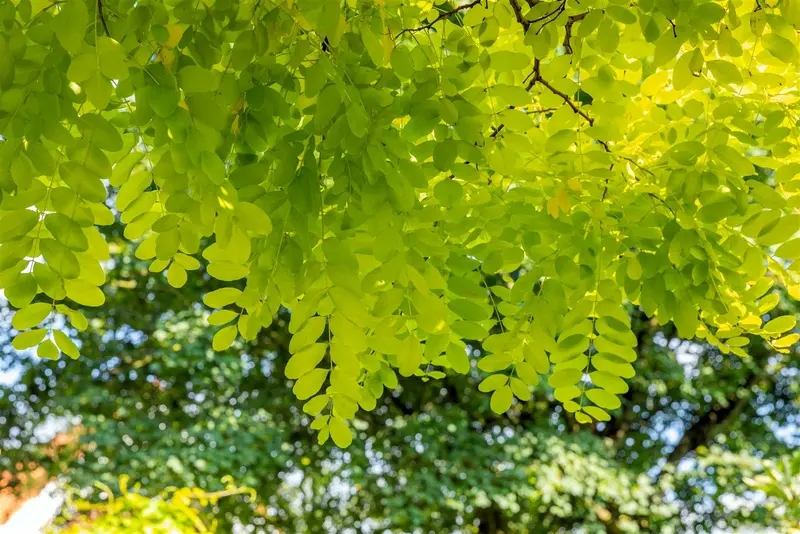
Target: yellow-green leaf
{"x": 224, "y": 338}
{"x": 501, "y": 400}
{"x": 31, "y": 315}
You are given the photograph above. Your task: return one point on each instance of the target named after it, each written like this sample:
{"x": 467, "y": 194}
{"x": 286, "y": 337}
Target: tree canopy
{"x": 410, "y": 179}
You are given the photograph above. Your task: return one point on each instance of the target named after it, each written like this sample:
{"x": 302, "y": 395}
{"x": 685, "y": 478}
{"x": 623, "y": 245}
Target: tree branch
{"x": 102, "y": 17}
{"x": 554, "y": 14}
{"x": 537, "y": 78}
{"x": 568, "y": 28}
{"x": 674, "y": 30}
{"x": 518, "y": 13}
{"x": 440, "y": 17}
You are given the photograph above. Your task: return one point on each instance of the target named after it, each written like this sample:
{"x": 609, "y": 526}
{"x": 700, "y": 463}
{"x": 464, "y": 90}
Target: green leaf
{"x": 315, "y": 405}
{"x": 373, "y": 46}
{"x": 98, "y": 89}
{"x": 31, "y": 315}
{"x": 621, "y": 14}
{"x": 60, "y": 259}
{"x": 527, "y": 373}
{"x": 70, "y": 25}
{"x": 67, "y": 232}
{"x": 102, "y": 133}
{"x": 176, "y": 275}
{"x": 716, "y": 211}
{"x": 221, "y": 297}
{"x": 84, "y": 293}
{"x": 520, "y": 389}
{"x": 340, "y": 433}
{"x": 308, "y": 334}
{"x": 507, "y": 61}
{"x": 469, "y": 309}
{"x": 194, "y": 79}
{"x": 564, "y": 378}
{"x": 252, "y": 218}
{"x": 457, "y": 356}
{"x": 779, "y": 325}
{"x": 444, "y": 154}
{"x": 309, "y": 384}
{"x": 492, "y": 382}
{"x": 607, "y": 36}
{"x": 214, "y": 167}
{"x": 65, "y": 344}
{"x": 221, "y": 317}
{"x": 227, "y": 271}
{"x": 47, "y": 349}
{"x": 582, "y": 418}
{"x": 724, "y": 71}
{"x": 82, "y": 181}
{"x": 111, "y": 59}
{"x": 409, "y": 356}
{"x": 224, "y": 338}
{"x": 501, "y": 400}
{"x": 31, "y": 338}
{"x": 597, "y": 413}
{"x": 780, "y": 47}
{"x": 603, "y": 398}
{"x": 243, "y": 50}
{"x": 305, "y": 360}
{"x": 82, "y": 68}
{"x": 609, "y": 382}
{"x": 328, "y": 103}
{"x": 685, "y": 319}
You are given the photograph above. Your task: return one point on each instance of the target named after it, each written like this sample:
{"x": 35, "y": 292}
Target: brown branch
{"x": 557, "y": 11}
{"x": 547, "y": 18}
{"x": 534, "y": 75}
{"x": 437, "y": 19}
{"x": 611, "y": 168}
{"x": 518, "y": 13}
{"x": 538, "y": 78}
{"x": 496, "y": 131}
{"x": 648, "y": 171}
{"x": 674, "y": 30}
{"x": 102, "y": 17}
{"x": 664, "y": 202}
{"x": 568, "y": 28}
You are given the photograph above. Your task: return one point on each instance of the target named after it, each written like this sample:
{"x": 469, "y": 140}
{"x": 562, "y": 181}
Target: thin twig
{"x": 674, "y": 30}
{"x": 540, "y": 110}
{"x": 538, "y": 78}
{"x": 518, "y": 13}
{"x": 664, "y": 202}
{"x": 605, "y": 190}
{"x": 533, "y": 75}
{"x": 554, "y": 14}
{"x": 568, "y": 29}
{"x": 648, "y": 171}
{"x": 102, "y": 18}
{"x": 437, "y": 19}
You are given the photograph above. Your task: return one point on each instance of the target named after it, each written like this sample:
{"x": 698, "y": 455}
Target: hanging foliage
{"x": 409, "y": 179}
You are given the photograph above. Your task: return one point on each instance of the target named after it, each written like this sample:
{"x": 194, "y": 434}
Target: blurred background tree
{"x": 149, "y": 399}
